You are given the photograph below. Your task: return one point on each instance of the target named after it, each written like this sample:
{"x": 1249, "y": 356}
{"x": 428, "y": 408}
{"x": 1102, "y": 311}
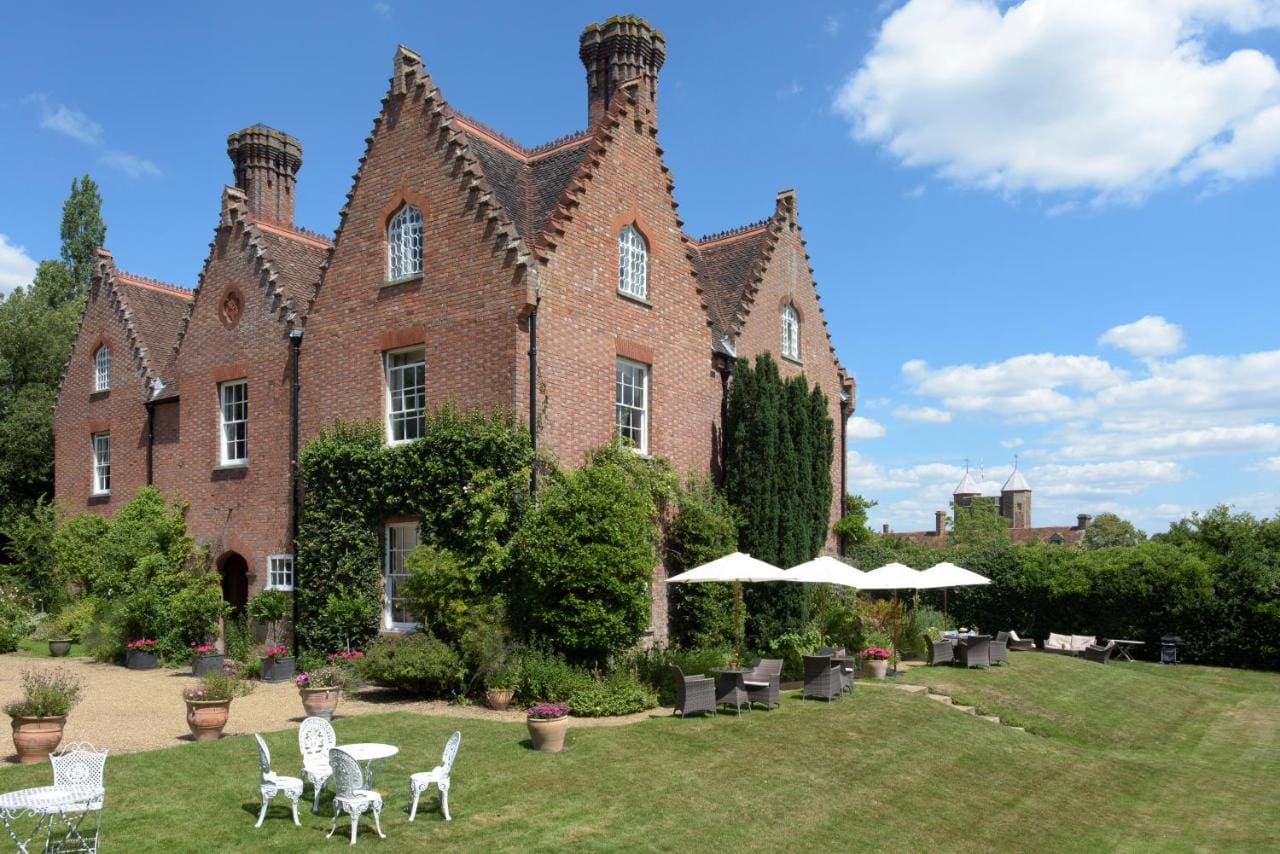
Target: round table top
{"x": 48, "y": 797}
{"x": 730, "y": 670}
{"x": 368, "y": 750}
{"x": 1130, "y": 642}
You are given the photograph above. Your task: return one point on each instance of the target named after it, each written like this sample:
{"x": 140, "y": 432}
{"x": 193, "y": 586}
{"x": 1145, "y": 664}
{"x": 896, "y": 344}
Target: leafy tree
{"x": 853, "y": 529}
{"x": 705, "y": 527}
{"x": 978, "y": 525}
{"x": 1108, "y": 530}
{"x": 83, "y": 231}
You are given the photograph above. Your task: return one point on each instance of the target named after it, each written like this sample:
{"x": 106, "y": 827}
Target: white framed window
{"x": 401, "y": 538}
{"x": 233, "y": 413}
{"x": 406, "y": 394}
{"x": 102, "y": 369}
{"x": 633, "y": 263}
{"x": 631, "y": 403}
{"x": 101, "y": 463}
{"x": 279, "y": 572}
{"x": 790, "y": 332}
{"x": 404, "y": 243}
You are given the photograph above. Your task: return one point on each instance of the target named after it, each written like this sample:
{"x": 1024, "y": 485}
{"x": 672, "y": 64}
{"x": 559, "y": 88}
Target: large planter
{"x": 136, "y": 660}
{"x": 207, "y": 718}
{"x": 876, "y": 668}
{"x": 203, "y": 664}
{"x": 277, "y": 669}
{"x": 319, "y": 702}
{"x": 59, "y": 648}
{"x": 548, "y": 735}
{"x": 499, "y": 698}
{"x": 36, "y": 738}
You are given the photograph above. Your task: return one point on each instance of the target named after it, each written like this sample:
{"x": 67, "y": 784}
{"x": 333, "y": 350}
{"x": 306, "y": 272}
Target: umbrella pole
{"x": 896, "y": 615}
{"x": 944, "y": 606}
{"x": 737, "y": 619}
{"x": 822, "y": 618}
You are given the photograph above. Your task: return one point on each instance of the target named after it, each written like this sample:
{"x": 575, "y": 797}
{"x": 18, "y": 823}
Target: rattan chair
{"x": 1100, "y": 654}
{"x": 974, "y": 651}
{"x": 693, "y": 693}
{"x": 999, "y": 652}
{"x": 938, "y": 651}
{"x": 821, "y": 679}
{"x": 764, "y": 682}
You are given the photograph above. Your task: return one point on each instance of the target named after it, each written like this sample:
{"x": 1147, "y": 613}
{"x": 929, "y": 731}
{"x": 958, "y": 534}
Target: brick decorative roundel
{"x": 231, "y": 308}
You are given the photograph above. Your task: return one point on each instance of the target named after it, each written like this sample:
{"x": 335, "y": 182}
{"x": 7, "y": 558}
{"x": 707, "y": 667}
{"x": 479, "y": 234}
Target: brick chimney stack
{"x": 266, "y": 162}
{"x": 885, "y": 527}
{"x": 621, "y": 49}
{"x": 1083, "y": 520}
{"x": 940, "y": 523}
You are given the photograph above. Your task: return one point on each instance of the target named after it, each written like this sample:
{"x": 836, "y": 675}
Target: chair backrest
{"x": 451, "y": 750}
{"x": 347, "y": 777}
{"x": 978, "y": 647}
{"x": 824, "y": 650}
{"x": 1002, "y": 637}
{"x": 770, "y": 667}
{"x": 78, "y": 764}
{"x": 264, "y": 757}
{"x": 816, "y": 667}
{"x": 315, "y": 739}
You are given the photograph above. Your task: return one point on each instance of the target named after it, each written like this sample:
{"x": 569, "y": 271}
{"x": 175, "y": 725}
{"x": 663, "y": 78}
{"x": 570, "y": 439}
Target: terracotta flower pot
{"x": 135, "y": 660}
{"x": 207, "y": 718}
{"x": 202, "y": 664}
{"x": 36, "y": 738}
{"x": 59, "y": 648}
{"x": 548, "y": 735}
{"x": 876, "y": 668}
{"x": 319, "y": 702}
{"x": 499, "y": 698}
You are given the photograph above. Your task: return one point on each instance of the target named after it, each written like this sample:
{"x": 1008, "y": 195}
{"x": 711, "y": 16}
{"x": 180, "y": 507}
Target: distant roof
{"x": 1016, "y": 483}
{"x": 968, "y": 486}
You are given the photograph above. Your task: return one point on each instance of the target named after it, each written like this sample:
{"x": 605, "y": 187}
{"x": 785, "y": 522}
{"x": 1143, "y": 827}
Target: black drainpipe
{"x": 295, "y": 495}
{"x": 844, "y": 466}
{"x": 533, "y": 394}
{"x": 151, "y": 437}
{"x": 725, "y": 367}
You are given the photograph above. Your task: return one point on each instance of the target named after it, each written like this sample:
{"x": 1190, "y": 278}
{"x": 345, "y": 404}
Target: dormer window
{"x": 102, "y": 369}
{"x": 790, "y": 332}
{"x": 404, "y": 243}
{"x": 633, "y": 263}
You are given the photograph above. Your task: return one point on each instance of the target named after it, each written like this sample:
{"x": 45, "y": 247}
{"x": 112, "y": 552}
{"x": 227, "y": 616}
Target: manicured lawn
{"x": 1135, "y": 758}
{"x": 40, "y": 649}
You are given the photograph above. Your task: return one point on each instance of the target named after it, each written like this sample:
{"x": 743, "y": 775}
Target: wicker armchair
{"x": 764, "y": 682}
{"x": 1100, "y": 654}
{"x": 1017, "y": 644}
{"x": 974, "y": 652}
{"x": 693, "y": 693}
{"x": 938, "y": 651}
{"x": 821, "y": 678}
{"x": 999, "y": 650}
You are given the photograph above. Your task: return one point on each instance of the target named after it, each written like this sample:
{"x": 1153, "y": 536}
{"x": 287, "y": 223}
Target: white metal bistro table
{"x": 1124, "y": 647}
{"x": 367, "y": 753}
{"x": 59, "y": 812}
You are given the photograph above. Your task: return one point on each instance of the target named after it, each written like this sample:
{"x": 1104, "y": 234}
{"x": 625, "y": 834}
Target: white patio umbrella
{"x": 736, "y": 567}
{"x": 947, "y": 575}
{"x": 825, "y": 570}
{"x": 895, "y": 577}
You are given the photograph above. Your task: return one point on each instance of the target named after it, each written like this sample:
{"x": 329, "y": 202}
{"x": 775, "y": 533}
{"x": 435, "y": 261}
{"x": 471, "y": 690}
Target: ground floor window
{"x": 401, "y": 538}
{"x": 631, "y": 403}
{"x": 280, "y": 572}
{"x": 101, "y": 463}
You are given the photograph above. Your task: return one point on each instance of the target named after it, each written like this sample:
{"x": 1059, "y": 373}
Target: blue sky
{"x": 995, "y": 196}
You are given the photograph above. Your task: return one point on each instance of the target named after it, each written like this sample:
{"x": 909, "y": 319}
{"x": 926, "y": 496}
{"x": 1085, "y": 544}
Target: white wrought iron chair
{"x": 420, "y": 782}
{"x": 349, "y": 794}
{"x": 315, "y": 739}
{"x": 78, "y": 768}
{"x": 275, "y": 784}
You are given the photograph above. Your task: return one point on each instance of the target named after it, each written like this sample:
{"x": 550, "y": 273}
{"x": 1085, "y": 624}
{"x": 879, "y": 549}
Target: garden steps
{"x": 944, "y": 700}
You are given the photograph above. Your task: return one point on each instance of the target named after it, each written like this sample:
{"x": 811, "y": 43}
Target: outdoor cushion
{"x": 1079, "y": 642}
{"x": 1014, "y": 636}
{"x": 1057, "y": 641}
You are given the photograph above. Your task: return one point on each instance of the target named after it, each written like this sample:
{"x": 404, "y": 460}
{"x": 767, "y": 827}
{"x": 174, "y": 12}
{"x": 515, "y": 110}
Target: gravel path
{"x": 133, "y": 710}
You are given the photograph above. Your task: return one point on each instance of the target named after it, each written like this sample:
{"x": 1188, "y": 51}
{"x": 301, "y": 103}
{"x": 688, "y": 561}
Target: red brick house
{"x": 556, "y": 281}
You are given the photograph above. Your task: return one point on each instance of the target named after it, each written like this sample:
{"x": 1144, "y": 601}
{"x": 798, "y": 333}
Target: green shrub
{"x": 791, "y": 647}
{"x": 34, "y": 572}
{"x": 617, "y": 694}
{"x": 546, "y": 677}
{"x": 414, "y": 662}
{"x": 218, "y": 685}
{"x": 196, "y": 610}
{"x": 653, "y": 667}
{"x": 74, "y": 620}
{"x": 270, "y": 607}
{"x": 705, "y": 527}
{"x": 46, "y": 693}
{"x": 238, "y": 640}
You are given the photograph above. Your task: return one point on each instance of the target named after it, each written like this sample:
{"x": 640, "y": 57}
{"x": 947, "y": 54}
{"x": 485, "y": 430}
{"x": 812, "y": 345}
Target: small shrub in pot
{"x": 39, "y": 717}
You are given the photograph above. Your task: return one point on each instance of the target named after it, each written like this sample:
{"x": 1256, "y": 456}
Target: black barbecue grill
{"x": 1169, "y": 649}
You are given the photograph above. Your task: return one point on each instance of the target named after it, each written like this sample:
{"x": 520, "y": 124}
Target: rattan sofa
{"x": 1098, "y": 653}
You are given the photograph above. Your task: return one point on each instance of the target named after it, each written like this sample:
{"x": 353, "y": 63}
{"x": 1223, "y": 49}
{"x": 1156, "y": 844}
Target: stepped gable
{"x": 158, "y": 309}
{"x": 725, "y": 263}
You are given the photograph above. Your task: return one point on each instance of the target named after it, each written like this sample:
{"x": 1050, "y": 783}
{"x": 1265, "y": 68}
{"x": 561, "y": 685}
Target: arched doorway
{"x": 235, "y": 583}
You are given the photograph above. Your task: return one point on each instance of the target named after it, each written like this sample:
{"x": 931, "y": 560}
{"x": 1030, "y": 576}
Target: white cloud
{"x": 131, "y": 164}
{"x": 790, "y": 90}
{"x": 1013, "y": 443}
{"x": 864, "y": 428}
{"x": 832, "y": 25}
{"x": 1029, "y": 386}
{"x": 1208, "y": 440}
{"x": 916, "y": 192}
{"x": 17, "y": 268}
{"x": 1149, "y": 336}
{"x": 923, "y": 414}
{"x": 68, "y": 122}
{"x": 1270, "y": 464}
{"x": 383, "y": 9}
{"x": 1123, "y": 477}
{"x": 1111, "y": 98}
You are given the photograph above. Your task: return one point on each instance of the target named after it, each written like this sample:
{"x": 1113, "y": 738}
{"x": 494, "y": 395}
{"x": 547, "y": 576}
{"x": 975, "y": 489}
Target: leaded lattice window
{"x": 633, "y": 263}
{"x": 404, "y": 243}
{"x": 102, "y": 369}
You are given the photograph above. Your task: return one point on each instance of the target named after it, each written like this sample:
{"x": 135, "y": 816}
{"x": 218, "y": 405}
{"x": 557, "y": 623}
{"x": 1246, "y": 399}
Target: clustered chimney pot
{"x": 622, "y": 49}
{"x": 1083, "y": 520}
{"x": 266, "y": 162}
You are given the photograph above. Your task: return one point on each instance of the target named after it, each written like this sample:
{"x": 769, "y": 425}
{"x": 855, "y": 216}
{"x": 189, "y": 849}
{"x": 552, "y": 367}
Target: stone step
{"x": 913, "y": 689}
{"x": 968, "y": 710}
{"x": 989, "y": 719}
{"x": 940, "y": 698}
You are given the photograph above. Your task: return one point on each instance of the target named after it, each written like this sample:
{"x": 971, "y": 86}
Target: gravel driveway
{"x": 132, "y": 710}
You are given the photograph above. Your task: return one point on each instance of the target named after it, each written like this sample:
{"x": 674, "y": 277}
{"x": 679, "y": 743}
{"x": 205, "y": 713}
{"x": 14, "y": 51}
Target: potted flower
{"x": 205, "y": 658}
{"x": 140, "y": 654}
{"x": 547, "y": 723}
{"x": 38, "y": 718}
{"x": 277, "y": 664}
{"x": 320, "y": 689}
{"x": 875, "y": 661}
{"x": 500, "y": 688}
{"x": 347, "y": 657}
{"x": 209, "y": 703}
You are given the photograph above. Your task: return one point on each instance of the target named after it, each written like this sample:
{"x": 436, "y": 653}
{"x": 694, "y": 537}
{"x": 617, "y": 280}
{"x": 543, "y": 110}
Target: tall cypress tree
{"x": 83, "y": 231}
{"x": 823, "y": 433}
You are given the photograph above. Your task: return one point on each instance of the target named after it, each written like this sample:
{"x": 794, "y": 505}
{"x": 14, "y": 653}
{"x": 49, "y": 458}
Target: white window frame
{"x": 624, "y": 382}
{"x": 395, "y": 531}
{"x": 790, "y": 332}
{"x": 633, "y": 263}
{"x": 100, "y": 445}
{"x": 280, "y": 572}
{"x": 229, "y": 423}
{"x": 393, "y": 375}
{"x": 102, "y": 369}
{"x": 404, "y": 243}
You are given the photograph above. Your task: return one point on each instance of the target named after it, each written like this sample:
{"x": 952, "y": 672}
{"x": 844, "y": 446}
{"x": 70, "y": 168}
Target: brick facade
{"x": 508, "y": 233}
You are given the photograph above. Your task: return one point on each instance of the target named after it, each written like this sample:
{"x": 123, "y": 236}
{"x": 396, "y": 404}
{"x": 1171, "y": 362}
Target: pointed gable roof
{"x": 726, "y": 264}
{"x": 1016, "y": 483}
{"x": 967, "y": 486}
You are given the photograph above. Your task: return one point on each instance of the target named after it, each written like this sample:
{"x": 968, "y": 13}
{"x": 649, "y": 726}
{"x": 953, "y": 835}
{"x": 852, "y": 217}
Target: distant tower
{"x": 967, "y": 490}
{"x": 1015, "y": 499}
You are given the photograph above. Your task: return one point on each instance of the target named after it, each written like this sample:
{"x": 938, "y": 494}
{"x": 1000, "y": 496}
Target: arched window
{"x": 404, "y": 243}
{"x": 790, "y": 332}
{"x": 102, "y": 369}
{"x": 633, "y": 263}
